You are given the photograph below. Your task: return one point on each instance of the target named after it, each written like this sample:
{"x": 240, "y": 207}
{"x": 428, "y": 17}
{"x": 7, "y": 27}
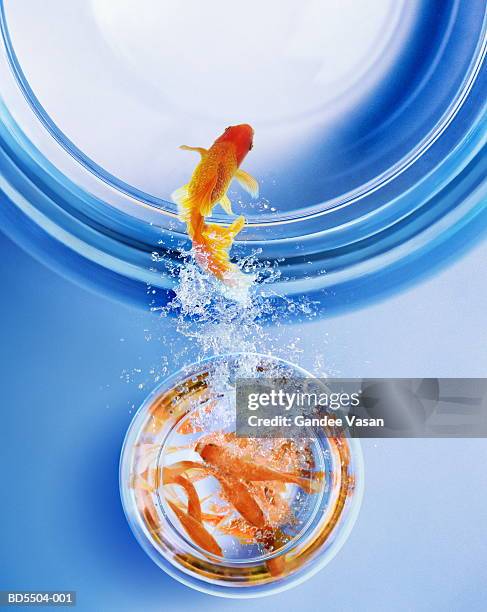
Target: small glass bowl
{"x": 243, "y": 570}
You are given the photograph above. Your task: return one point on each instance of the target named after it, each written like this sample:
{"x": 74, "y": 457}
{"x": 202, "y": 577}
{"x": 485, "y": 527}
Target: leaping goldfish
{"x": 208, "y": 186}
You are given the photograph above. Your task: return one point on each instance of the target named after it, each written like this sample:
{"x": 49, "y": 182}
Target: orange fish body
{"x": 208, "y": 186}
{"x": 241, "y": 499}
{"x": 235, "y": 490}
{"x": 248, "y": 470}
{"x": 196, "y": 531}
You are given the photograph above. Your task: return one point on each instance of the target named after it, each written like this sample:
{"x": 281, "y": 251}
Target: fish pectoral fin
{"x": 248, "y": 182}
{"x": 199, "y": 150}
{"x": 226, "y": 204}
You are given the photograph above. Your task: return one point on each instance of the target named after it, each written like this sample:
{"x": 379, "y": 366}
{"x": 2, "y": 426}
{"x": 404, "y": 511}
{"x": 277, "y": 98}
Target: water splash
{"x": 220, "y": 320}
{"x": 212, "y": 320}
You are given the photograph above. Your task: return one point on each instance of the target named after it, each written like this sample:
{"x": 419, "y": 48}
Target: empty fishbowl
{"x": 228, "y": 515}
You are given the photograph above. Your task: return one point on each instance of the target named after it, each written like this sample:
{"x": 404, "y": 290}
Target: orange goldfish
{"x": 228, "y": 462}
{"x": 241, "y": 499}
{"x": 208, "y": 186}
{"x": 196, "y": 531}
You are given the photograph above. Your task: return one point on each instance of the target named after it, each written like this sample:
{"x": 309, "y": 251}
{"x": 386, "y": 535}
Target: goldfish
{"x": 235, "y": 491}
{"x": 245, "y": 488}
{"x": 196, "y": 531}
{"x": 208, "y": 186}
{"x": 228, "y": 462}
{"x": 241, "y": 499}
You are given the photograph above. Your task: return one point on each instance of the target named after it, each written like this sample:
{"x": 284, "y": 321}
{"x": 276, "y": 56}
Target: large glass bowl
{"x": 369, "y": 147}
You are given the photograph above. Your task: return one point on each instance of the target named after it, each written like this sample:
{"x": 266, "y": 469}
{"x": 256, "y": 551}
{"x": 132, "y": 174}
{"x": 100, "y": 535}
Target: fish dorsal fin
{"x": 226, "y": 204}
{"x": 248, "y": 182}
{"x": 199, "y": 150}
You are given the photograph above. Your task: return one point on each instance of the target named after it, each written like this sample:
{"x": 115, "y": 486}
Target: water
{"x": 287, "y": 509}
{"x": 218, "y": 320}
{"x": 301, "y": 529}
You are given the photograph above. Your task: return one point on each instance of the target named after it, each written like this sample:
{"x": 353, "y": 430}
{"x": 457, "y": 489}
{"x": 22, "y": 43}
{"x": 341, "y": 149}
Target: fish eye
{"x": 251, "y": 146}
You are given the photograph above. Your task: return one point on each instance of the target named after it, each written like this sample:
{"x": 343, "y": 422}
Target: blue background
{"x": 420, "y": 540}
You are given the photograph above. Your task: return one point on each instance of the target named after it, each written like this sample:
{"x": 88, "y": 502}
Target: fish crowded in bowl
{"x": 228, "y": 515}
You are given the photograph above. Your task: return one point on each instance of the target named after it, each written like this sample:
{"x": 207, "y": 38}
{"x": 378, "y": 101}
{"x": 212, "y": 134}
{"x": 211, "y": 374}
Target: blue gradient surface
{"x": 419, "y": 543}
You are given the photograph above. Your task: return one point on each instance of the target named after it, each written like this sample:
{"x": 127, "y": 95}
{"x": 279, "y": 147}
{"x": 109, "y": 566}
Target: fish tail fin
{"x": 223, "y": 237}
{"x": 212, "y": 247}
{"x": 248, "y": 182}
